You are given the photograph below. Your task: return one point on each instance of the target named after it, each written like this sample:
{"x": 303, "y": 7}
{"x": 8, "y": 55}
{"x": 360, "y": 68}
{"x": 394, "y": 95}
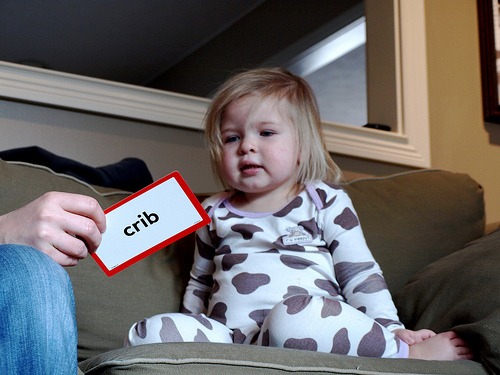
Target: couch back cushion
{"x": 459, "y": 292}
{"x": 412, "y": 219}
{"x": 409, "y": 220}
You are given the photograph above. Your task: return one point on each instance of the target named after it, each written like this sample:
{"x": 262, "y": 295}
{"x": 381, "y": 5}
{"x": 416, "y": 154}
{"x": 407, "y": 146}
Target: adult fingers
{"x": 82, "y": 205}
{"x": 78, "y": 235}
{"x": 63, "y": 258}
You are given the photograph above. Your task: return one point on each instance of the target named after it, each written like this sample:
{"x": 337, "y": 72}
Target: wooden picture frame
{"x": 489, "y": 42}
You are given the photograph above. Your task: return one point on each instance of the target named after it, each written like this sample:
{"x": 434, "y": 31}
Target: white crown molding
{"x": 409, "y": 145}
{"x": 100, "y": 96}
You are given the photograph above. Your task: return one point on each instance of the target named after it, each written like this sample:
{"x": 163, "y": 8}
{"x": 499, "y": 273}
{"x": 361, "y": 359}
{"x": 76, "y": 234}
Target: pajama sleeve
{"x": 358, "y": 274}
{"x": 201, "y": 281}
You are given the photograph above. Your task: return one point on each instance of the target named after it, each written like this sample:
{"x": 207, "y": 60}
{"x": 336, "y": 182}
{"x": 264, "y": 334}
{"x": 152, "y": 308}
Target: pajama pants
{"x": 301, "y": 322}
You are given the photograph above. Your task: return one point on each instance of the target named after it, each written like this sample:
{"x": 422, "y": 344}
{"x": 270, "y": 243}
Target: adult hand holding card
{"x": 147, "y": 221}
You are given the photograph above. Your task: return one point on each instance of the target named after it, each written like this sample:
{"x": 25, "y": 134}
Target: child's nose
{"x": 248, "y": 145}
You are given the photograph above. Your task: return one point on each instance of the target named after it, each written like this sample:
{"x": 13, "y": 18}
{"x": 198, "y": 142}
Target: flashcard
{"x": 147, "y": 221}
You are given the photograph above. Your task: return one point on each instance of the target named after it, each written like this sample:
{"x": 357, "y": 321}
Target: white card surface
{"x": 147, "y": 221}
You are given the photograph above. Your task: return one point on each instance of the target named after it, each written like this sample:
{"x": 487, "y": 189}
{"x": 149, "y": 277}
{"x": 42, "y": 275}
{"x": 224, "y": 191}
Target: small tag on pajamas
{"x": 147, "y": 221}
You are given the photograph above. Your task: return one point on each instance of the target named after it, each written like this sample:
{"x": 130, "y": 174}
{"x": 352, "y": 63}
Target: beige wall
{"x": 460, "y": 140}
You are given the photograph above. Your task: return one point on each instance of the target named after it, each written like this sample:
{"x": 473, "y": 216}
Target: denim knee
{"x": 24, "y": 265}
{"x": 37, "y": 313}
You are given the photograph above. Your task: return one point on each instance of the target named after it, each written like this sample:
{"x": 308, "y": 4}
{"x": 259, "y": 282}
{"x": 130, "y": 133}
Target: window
{"x": 336, "y": 70}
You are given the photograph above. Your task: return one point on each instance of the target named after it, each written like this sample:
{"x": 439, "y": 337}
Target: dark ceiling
{"x": 187, "y": 46}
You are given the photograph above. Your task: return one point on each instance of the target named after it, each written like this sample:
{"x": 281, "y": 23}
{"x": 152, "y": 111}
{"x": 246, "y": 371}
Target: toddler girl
{"x": 284, "y": 262}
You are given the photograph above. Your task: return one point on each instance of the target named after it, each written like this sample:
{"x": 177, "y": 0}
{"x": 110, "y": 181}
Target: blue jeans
{"x": 37, "y": 314}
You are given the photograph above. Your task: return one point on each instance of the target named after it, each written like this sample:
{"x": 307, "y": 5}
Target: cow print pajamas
{"x": 302, "y": 277}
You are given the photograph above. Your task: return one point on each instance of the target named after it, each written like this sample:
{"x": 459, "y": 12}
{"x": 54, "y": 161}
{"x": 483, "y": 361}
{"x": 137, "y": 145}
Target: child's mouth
{"x": 250, "y": 166}
{"x": 250, "y": 169}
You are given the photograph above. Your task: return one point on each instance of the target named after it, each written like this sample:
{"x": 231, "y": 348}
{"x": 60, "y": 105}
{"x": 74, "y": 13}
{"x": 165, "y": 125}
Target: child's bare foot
{"x": 445, "y": 346}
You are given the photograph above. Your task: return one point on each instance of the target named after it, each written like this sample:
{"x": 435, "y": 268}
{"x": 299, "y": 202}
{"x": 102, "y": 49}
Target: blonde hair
{"x": 300, "y": 105}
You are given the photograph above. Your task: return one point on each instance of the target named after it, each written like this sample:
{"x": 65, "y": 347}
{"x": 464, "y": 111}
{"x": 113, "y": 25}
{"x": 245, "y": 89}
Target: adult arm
{"x": 66, "y": 227}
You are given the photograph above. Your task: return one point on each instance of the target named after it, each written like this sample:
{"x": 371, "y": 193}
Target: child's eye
{"x": 230, "y": 139}
{"x": 266, "y": 133}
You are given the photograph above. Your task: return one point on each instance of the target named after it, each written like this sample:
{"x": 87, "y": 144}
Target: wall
{"x": 460, "y": 139}
{"x": 97, "y": 140}
{"x": 354, "y": 168}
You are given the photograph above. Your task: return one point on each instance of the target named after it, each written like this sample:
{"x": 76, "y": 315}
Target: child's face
{"x": 260, "y": 153}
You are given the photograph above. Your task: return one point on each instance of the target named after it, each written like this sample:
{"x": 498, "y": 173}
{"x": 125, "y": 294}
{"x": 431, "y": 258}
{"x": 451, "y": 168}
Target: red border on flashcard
{"x": 204, "y": 221}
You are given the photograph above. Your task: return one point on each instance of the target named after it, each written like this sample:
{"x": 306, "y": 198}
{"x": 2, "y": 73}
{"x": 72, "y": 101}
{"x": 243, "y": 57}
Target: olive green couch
{"x": 426, "y": 229}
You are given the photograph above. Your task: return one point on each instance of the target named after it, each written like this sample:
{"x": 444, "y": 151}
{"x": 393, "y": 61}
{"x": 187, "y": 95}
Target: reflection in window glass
{"x": 336, "y": 70}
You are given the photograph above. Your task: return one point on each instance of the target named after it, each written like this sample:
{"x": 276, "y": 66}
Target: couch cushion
{"x": 412, "y": 219}
{"x": 234, "y": 359}
{"x": 459, "y": 292}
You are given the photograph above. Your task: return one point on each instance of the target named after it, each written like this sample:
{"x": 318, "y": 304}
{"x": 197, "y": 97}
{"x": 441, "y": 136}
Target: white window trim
{"x": 409, "y": 145}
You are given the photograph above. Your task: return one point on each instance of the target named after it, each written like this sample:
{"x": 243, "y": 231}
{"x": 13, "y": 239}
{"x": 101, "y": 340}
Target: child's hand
{"x": 414, "y": 337}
